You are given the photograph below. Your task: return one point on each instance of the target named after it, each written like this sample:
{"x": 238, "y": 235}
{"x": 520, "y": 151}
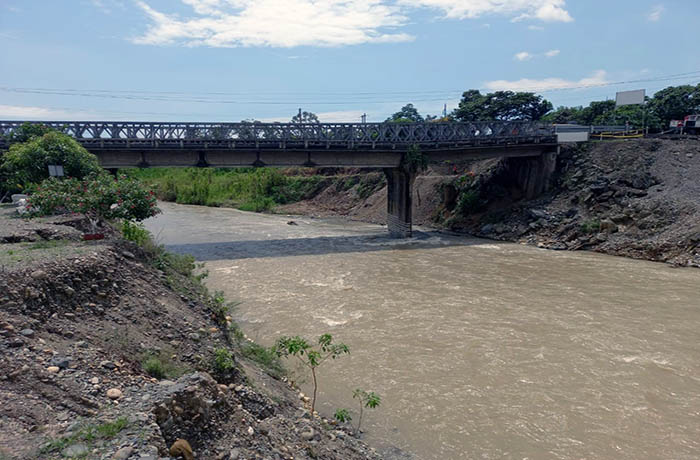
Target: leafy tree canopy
{"x": 501, "y": 105}
{"x": 306, "y": 117}
{"x": 407, "y": 114}
{"x": 27, "y": 162}
{"x": 675, "y": 102}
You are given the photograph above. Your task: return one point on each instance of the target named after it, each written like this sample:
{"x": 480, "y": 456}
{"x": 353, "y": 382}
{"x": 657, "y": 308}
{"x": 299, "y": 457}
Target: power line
{"x": 423, "y": 96}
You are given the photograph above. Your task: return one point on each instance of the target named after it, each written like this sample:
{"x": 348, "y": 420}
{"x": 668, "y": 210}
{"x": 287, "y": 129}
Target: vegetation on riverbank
{"x": 248, "y": 189}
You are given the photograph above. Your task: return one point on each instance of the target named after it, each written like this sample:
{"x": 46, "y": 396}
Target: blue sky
{"x": 228, "y": 60}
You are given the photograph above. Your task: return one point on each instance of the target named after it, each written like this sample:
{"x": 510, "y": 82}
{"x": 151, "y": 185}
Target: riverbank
{"x": 634, "y": 198}
{"x": 113, "y": 350}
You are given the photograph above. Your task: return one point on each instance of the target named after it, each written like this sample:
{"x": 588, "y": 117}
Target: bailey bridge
{"x": 353, "y": 145}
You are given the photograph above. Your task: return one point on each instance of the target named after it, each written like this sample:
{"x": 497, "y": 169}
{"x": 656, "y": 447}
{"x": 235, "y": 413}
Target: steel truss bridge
{"x": 100, "y": 135}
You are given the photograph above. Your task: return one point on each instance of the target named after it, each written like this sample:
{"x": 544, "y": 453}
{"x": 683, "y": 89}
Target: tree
{"x": 407, "y": 114}
{"x": 501, "y": 105}
{"x": 311, "y": 356}
{"x": 27, "y": 162}
{"x": 26, "y": 131}
{"x": 675, "y": 102}
{"x": 99, "y": 197}
{"x": 305, "y": 117}
{"x": 564, "y": 115}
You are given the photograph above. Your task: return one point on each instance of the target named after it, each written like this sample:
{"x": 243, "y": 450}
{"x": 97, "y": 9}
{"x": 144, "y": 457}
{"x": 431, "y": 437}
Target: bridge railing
{"x": 111, "y": 134}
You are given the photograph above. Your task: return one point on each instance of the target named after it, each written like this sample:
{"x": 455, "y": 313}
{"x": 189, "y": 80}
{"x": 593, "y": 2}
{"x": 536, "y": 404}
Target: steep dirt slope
{"x": 638, "y": 198}
{"x": 76, "y": 330}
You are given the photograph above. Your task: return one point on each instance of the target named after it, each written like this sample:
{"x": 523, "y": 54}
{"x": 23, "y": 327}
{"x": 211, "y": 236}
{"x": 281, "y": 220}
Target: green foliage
{"x": 25, "y": 132}
{"x": 407, "y": 114}
{"x": 135, "y": 232}
{"x": 414, "y": 160}
{"x": 501, "y": 105}
{"x": 311, "y": 356}
{"x": 256, "y": 190}
{"x": 88, "y": 434}
{"x": 223, "y": 362}
{"x": 468, "y": 202}
{"x": 98, "y": 197}
{"x": 671, "y": 103}
{"x": 591, "y": 226}
{"x": 342, "y": 415}
{"x": 26, "y": 163}
{"x": 160, "y": 366}
{"x": 675, "y": 102}
{"x": 266, "y": 357}
{"x": 306, "y": 117}
{"x": 368, "y": 400}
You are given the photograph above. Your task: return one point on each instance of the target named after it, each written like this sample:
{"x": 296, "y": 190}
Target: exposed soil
{"x": 637, "y": 198}
{"x": 75, "y": 331}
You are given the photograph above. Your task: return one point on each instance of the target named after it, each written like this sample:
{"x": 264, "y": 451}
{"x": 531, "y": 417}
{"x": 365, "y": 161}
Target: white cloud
{"x": 598, "y": 78}
{"x": 19, "y": 112}
{"x": 289, "y": 23}
{"x": 278, "y": 23}
{"x": 526, "y": 56}
{"x": 655, "y": 13}
{"x": 535, "y": 28}
{"x": 523, "y": 56}
{"x": 544, "y": 10}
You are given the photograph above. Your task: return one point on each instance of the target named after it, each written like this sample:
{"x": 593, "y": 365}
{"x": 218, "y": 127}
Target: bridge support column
{"x": 533, "y": 175}
{"x": 399, "y": 202}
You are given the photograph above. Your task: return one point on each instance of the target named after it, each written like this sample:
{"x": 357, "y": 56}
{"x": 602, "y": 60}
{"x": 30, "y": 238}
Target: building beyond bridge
{"x": 357, "y": 145}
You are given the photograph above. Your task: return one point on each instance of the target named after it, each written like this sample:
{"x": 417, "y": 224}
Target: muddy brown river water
{"x": 480, "y": 350}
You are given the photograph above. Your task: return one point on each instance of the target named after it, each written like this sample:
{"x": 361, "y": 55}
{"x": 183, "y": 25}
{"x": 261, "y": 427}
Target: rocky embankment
{"x": 638, "y": 198}
{"x": 109, "y": 351}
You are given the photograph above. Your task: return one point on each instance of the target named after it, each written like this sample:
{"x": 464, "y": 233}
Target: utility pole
{"x": 364, "y": 118}
{"x": 300, "y": 120}
{"x": 444, "y": 111}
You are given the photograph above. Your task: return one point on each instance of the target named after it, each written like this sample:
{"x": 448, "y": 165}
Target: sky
{"x": 232, "y": 60}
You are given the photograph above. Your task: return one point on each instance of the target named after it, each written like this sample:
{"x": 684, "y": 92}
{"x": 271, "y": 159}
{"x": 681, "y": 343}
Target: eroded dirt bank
{"x": 637, "y": 198}
{"x": 78, "y": 324}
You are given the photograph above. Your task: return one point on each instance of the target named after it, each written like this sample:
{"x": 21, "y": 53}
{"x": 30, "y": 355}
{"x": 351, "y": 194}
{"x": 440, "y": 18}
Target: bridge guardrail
{"x": 111, "y": 134}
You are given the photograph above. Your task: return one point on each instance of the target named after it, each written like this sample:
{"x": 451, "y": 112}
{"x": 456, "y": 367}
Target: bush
{"x": 135, "y": 232}
{"x": 99, "y": 197}
{"x": 468, "y": 202}
{"x": 223, "y": 362}
{"x": 27, "y": 162}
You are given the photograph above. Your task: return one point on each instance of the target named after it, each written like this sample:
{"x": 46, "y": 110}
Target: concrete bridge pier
{"x": 533, "y": 175}
{"x": 399, "y": 202}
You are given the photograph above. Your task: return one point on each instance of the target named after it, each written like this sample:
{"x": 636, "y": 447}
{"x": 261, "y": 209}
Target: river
{"x": 479, "y": 349}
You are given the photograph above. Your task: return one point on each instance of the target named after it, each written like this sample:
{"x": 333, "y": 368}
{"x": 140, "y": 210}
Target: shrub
{"x": 369, "y": 400}
{"x": 98, "y": 197}
{"x": 342, "y": 415}
{"x": 223, "y": 362}
{"x": 468, "y": 202}
{"x": 135, "y": 232}
{"x": 154, "y": 367}
{"x": 27, "y": 162}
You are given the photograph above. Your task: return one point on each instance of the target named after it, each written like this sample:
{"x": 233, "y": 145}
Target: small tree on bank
{"x": 99, "y": 197}
{"x": 309, "y": 355}
{"x": 27, "y": 162}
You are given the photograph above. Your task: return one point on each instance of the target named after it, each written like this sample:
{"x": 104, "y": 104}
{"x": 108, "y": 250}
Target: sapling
{"x": 311, "y": 356}
{"x": 369, "y": 400}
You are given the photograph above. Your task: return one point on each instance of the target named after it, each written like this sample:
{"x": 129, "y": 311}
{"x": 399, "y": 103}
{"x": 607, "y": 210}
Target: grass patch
{"x": 248, "y": 189}
{"x": 87, "y": 434}
{"x": 266, "y": 357}
{"x": 161, "y": 366}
